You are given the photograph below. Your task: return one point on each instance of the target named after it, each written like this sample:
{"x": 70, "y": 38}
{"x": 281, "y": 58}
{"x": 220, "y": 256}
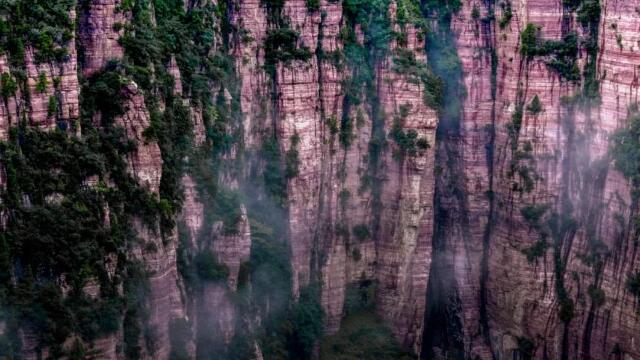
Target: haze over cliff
{"x": 319, "y": 179}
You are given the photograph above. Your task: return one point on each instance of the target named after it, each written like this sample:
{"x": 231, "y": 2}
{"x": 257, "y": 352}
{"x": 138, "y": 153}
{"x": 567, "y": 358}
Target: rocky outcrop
{"x": 145, "y": 162}
{"x": 233, "y": 250}
{"x": 101, "y": 23}
{"x": 53, "y": 90}
{"x": 10, "y": 104}
{"x": 50, "y": 95}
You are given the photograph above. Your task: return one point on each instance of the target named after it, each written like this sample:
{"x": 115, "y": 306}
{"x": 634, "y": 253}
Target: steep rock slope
{"x": 274, "y": 159}
{"x": 545, "y": 265}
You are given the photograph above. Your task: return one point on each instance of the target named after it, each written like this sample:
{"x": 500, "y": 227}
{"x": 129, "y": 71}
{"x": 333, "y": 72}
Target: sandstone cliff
{"x": 455, "y": 155}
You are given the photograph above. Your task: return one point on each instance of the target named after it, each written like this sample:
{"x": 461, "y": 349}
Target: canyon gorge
{"x": 319, "y": 179}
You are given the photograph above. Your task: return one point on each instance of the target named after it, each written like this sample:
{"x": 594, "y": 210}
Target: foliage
{"x": 560, "y": 55}
{"x": 361, "y": 232}
{"x": 313, "y": 5}
{"x": 292, "y": 161}
{"x": 41, "y": 85}
{"x": 68, "y": 237}
{"x": 536, "y": 250}
{"x": 535, "y": 107}
{"x": 526, "y": 347}
{"x": 417, "y": 72}
{"x": 566, "y": 312}
{"x": 364, "y": 336}
{"x": 597, "y": 295}
{"x": 208, "y": 268}
{"x": 444, "y": 62}
{"x": 52, "y": 106}
{"x": 273, "y": 177}
{"x": 625, "y": 149}
{"x": 281, "y": 46}
{"x": 360, "y": 296}
{"x": 533, "y": 213}
{"x": 529, "y": 40}
{"x": 408, "y": 12}
{"x": 8, "y": 86}
{"x": 507, "y": 14}
{"x": 407, "y": 141}
{"x": 42, "y": 24}
{"x": 633, "y": 284}
{"x": 307, "y": 321}
{"x": 475, "y": 12}
{"x": 589, "y": 13}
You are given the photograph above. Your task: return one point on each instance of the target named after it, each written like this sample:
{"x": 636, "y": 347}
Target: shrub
{"x": 208, "y": 268}
{"x": 506, "y": 14}
{"x": 475, "y": 12}
{"x": 346, "y": 131}
{"x": 633, "y": 284}
{"x": 307, "y": 320}
{"x": 41, "y": 85}
{"x": 597, "y": 295}
{"x": 566, "y": 310}
{"x": 535, "y": 107}
{"x": 529, "y": 41}
{"x": 332, "y": 124}
{"x": 408, "y": 142}
{"x": 362, "y": 335}
{"x": 359, "y": 296}
{"x": 292, "y": 161}
{"x": 536, "y": 250}
{"x": 8, "y": 85}
{"x": 625, "y": 150}
{"x": 361, "y": 232}
{"x": 313, "y": 5}
{"x": 356, "y": 255}
{"x": 561, "y": 55}
{"x": 44, "y": 25}
{"x": 281, "y": 46}
{"x": 533, "y": 213}
{"x": 589, "y": 13}
{"x": 526, "y": 347}
{"x": 52, "y": 106}
{"x": 273, "y": 177}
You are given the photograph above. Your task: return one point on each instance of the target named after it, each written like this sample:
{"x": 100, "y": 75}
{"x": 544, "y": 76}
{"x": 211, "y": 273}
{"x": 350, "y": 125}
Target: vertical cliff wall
{"x": 538, "y": 206}
{"x": 222, "y": 178}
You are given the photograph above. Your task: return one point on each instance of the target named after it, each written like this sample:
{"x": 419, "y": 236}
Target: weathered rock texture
{"x": 503, "y": 297}
{"x": 446, "y": 226}
{"x": 99, "y": 33}
{"x": 325, "y": 198}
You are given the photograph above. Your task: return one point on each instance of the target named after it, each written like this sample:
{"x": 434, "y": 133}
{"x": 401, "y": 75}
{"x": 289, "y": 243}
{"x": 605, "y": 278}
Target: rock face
{"x": 99, "y": 33}
{"x": 50, "y": 95}
{"x": 326, "y": 199}
{"x": 145, "y": 163}
{"x": 506, "y": 299}
{"x": 502, "y": 231}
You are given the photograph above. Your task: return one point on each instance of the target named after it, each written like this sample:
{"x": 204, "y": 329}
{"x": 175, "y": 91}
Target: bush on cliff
{"x": 44, "y": 25}
{"x": 362, "y": 336}
{"x": 560, "y": 55}
{"x": 208, "y": 268}
{"x": 282, "y": 46}
{"x": 633, "y": 284}
{"x": 625, "y": 150}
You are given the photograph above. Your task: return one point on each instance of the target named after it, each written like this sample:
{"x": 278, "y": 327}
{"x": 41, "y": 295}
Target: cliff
{"x": 249, "y": 168}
